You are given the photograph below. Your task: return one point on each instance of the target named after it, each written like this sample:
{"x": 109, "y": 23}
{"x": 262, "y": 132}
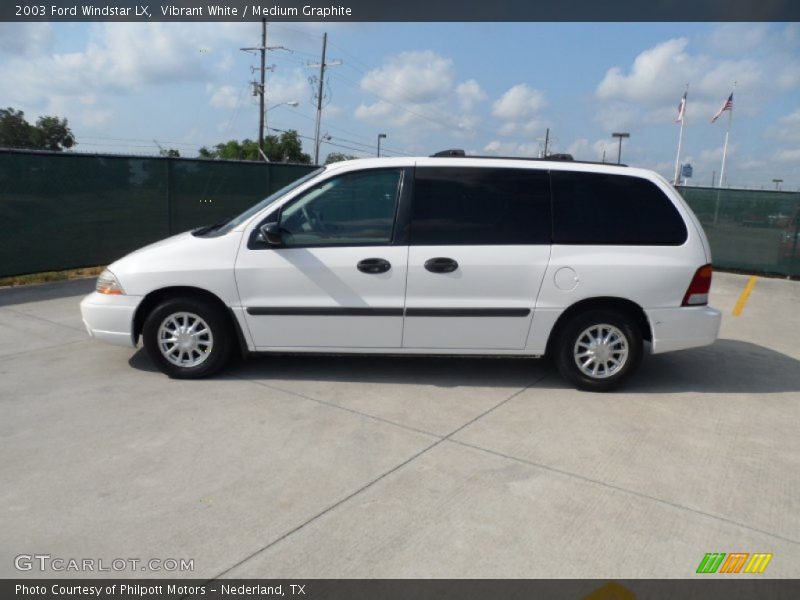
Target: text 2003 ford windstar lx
{"x": 435, "y": 255}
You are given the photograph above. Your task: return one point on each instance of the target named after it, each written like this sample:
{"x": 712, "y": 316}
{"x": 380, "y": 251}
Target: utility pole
{"x": 546, "y": 141}
{"x": 260, "y": 88}
{"x": 713, "y": 177}
{"x": 319, "y": 97}
{"x": 322, "y": 66}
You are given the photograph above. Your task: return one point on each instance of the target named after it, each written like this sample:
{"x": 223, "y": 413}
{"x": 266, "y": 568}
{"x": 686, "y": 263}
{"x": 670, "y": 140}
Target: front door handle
{"x": 441, "y": 265}
{"x": 373, "y": 266}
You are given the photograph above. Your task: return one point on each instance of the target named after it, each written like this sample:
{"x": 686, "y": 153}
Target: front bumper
{"x": 684, "y": 327}
{"x": 110, "y": 318}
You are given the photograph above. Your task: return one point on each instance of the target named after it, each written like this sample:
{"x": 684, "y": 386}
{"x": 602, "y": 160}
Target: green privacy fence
{"x": 60, "y": 211}
{"x": 751, "y": 230}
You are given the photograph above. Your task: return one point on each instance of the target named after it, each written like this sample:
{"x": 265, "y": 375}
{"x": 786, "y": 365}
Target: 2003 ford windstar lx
{"x": 436, "y": 255}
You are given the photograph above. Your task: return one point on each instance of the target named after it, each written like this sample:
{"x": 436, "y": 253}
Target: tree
{"x": 284, "y": 148}
{"x": 338, "y": 157}
{"x": 15, "y": 131}
{"x": 169, "y": 152}
{"x": 52, "y": 133}
{"x": 288, "y": 148}
{"x": 49, "y": 133}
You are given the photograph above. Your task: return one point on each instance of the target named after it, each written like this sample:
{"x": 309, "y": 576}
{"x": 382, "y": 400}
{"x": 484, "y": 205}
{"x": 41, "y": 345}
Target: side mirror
{"x": 271, "y": 234}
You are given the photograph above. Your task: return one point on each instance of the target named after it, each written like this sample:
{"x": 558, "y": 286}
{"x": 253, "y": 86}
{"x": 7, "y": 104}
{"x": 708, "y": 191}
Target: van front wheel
{"x": 187, "y": 338}
{"x": 598, "y": 350}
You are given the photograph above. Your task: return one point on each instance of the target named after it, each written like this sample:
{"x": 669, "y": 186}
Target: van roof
{"x": 458, "y": 153}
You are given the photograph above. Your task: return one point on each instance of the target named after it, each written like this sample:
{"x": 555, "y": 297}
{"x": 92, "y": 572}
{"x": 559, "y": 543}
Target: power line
{"x": 363, "y": 142}
{"x": 329, "y": 142}
{"x": 437, "y": 119}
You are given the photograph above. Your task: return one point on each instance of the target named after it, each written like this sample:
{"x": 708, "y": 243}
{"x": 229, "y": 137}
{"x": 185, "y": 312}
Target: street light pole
{"x": 289, "y": 103}
{"x": 381, "y": 136}
{"x": 621, "y": 136}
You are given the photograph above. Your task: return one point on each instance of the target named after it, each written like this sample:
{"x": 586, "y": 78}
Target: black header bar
{"x": 399, "y": 10}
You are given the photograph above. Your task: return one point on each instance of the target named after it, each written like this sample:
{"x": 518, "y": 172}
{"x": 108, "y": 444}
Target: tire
{"x": 201, "y": 342}
{"x": 578, "y": 340}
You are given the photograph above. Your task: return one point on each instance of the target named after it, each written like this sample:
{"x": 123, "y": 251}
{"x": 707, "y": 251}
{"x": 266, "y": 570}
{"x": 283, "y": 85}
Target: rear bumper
{"x": 110, "y": 318}
{"x": 685, "y": 327}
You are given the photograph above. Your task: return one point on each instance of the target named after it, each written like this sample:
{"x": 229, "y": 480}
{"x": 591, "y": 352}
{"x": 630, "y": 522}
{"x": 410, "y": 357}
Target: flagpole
{"x": 676, "y": 179}
{"x": 725, "y": 147}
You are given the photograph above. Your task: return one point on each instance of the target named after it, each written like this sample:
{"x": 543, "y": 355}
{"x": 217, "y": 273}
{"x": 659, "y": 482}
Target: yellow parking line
{"x": 751, "y": 283}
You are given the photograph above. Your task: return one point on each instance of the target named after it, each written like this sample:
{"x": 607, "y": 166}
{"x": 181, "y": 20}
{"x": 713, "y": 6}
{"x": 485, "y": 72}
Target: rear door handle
{"x": 441, "y": 265}
{"x": 374, "y": 266}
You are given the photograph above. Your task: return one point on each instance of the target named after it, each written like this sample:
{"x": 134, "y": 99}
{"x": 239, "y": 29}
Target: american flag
{"x": 682, "y": 108}
{"x": 727, "y": 106}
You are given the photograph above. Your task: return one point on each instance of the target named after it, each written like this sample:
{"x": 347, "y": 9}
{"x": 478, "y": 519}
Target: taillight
{"x": 697, "y": 293}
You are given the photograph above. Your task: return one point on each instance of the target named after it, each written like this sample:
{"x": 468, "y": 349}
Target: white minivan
{"x": 446, "y": 254}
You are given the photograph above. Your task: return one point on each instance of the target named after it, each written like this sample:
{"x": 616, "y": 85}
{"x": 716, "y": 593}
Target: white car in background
{"x": 433, "y": 255}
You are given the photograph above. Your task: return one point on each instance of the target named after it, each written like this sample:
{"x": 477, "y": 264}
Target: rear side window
{"x": 480, "y": 206}
{"x": 594, "y": 208}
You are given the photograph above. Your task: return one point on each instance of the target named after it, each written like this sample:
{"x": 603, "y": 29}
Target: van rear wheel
{"x": 187, "y": 338}
{"x": 599, "y": 349}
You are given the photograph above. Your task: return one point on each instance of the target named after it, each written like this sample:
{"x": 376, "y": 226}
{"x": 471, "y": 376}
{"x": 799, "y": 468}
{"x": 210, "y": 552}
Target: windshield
{"x": 230, "y": 225}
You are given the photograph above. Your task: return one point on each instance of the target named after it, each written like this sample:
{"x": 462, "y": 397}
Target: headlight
{"x": 107, "y": 284}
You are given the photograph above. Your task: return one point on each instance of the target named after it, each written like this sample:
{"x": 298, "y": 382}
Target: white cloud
{"x": 583, "y": 149}
{"x": 789, "y": 76}
{"x": 26, "y": 39}
{"x": 418, "y": 77}
{"x": 469, "y": 94}
{"x": 96, "y": 117}
{"x": 419, "y": 89}
{"x": 376, "y": 110}
{"x": 617, "y": 116}
{"x": 761, "y": 60}
{"x": 119, "y": 58}
{"x": 655, "y": 74}
{"x": 787, "y": 127}
{"x": 225, "y": 96}
{"x": 525, "y": 128}
{"x": 292, "y": 87}
{"x": 788, "y": 155}
{"x": 225, "y": 63}
{"x": 519, "y": 102}
{"x": 519, "y": 108}
{"x": 660, "y": 73}
{"x": 714, "y": 155}
{"x": 738, "y": 38}
{"x": 500, "y": 148}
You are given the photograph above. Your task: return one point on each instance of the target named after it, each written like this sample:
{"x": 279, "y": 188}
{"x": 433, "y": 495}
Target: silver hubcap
{"x": 185, "y": 339}
{"x": 601, "y": 351}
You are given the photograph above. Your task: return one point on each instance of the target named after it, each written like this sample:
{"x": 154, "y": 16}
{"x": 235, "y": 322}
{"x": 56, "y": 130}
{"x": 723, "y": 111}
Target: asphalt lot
{"x": 314, "y": 467}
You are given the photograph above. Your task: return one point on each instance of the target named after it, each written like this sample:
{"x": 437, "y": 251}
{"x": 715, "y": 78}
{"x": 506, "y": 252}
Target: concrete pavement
{"x": 310, "y": 467}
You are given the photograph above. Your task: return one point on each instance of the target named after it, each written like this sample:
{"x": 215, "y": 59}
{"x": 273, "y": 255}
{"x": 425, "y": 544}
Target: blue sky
{"x": 490, "y": 88}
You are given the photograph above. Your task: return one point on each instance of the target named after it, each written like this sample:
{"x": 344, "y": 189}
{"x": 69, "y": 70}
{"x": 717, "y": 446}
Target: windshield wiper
{"x": 206, "y": 229}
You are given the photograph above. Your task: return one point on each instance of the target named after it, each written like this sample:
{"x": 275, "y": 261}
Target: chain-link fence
{"x": 750, "y": 230}
{"x": 63, "y": 210}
